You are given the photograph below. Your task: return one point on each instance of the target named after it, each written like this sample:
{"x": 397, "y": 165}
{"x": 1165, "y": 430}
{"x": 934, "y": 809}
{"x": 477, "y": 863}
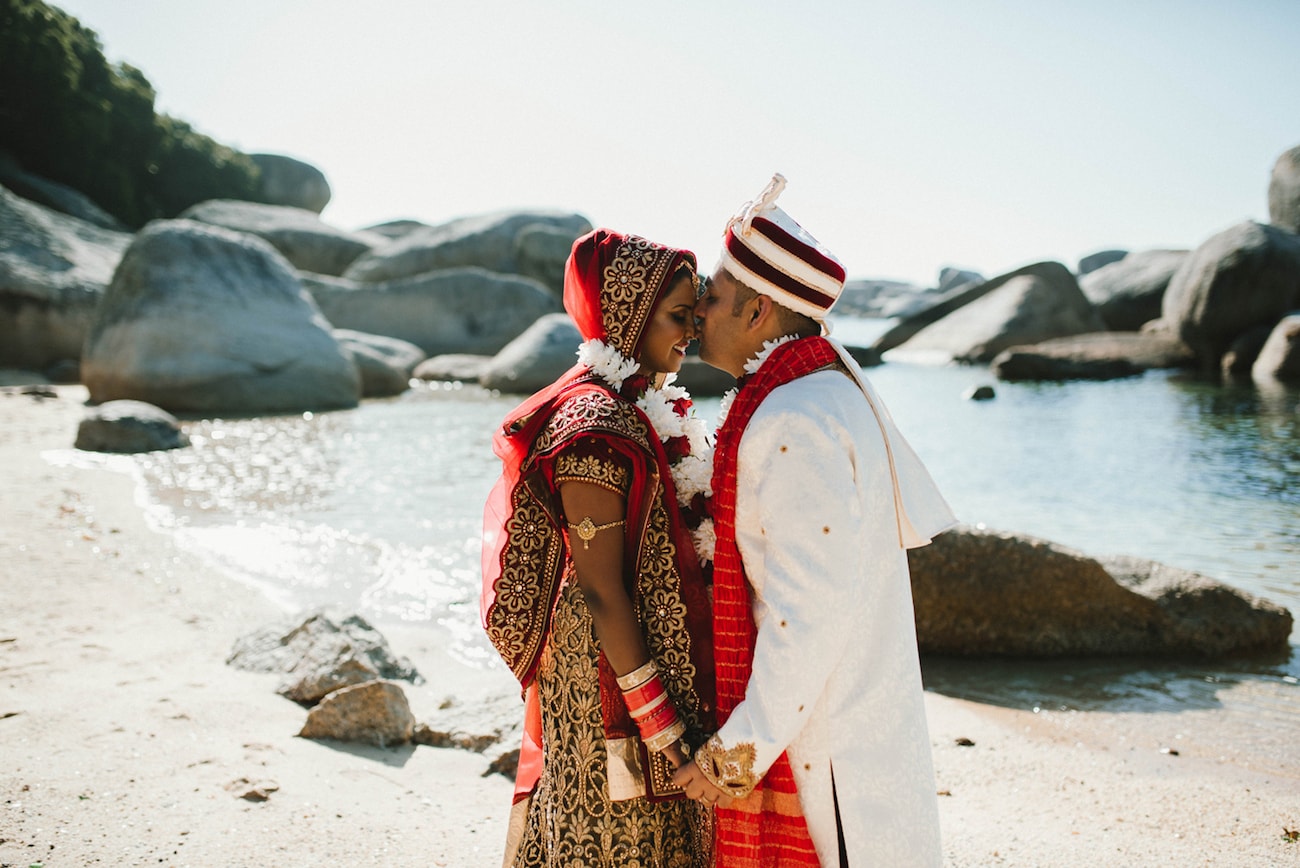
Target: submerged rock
{"x": 980, "y": 592}
{"x": 1280, "y": 357}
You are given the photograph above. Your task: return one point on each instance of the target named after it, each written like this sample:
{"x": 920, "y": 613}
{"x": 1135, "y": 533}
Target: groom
{"x": 823, "y": 755}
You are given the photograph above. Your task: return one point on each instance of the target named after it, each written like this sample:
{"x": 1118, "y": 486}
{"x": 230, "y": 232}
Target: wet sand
{"x": 122, "y": 731}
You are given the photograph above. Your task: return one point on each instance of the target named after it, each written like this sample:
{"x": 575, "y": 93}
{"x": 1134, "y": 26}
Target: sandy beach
{"x": 124, "y": 736}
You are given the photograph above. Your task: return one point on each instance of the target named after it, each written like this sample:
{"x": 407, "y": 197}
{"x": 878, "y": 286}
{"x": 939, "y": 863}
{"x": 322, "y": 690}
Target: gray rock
{"x": 979, "y": 393}
{"x": 452, "y": 367}
{"x": 1129, "y": 292}
{"x": 293, "y": 183}
{"x": 980, "y": 592}
{"x": 1097, "y": 356}
{"x": 300, "y": 235}
{"x": 460, "y": 310}
{"x": 476, "y": 725}
{"x": 536, "y": 358}
{"x": 702, "y": 379}
{"x": 55, "y": 196}
{"x": 394, "y": 229}
{"x": 488, "y": 241}
{"x": 386, "y": 364}
{"x": 1284, "y": 191}
{"x": 319, "y": 654}
{"x": 53, "y": 270}
{"x": 1239, "y": 360}
{"x": 375, "y": 712}
{"x": 1246, "y": 276}
{"x": 200, "y": 319}
{"x": 1026, "y": 309}
{"x": 541, "y": 249}
{"x": 129, "y": 426}
{"x": 1100, "y": 259}
{"x": 955, "y": 278}
{"x": 1279, "y": 360}
{"x": 958, "y": 297}
{"x": 883, "y": 298}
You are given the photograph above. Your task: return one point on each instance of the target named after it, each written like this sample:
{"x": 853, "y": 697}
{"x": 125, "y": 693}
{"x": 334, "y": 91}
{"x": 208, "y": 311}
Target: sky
{"x": 979, "y": 134}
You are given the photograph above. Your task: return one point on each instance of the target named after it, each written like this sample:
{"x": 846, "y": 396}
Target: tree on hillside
{"x": 69, "y": 115}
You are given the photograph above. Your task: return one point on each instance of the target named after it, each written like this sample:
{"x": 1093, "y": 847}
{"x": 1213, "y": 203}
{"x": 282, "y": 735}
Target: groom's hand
{"x": 698, "y": 787}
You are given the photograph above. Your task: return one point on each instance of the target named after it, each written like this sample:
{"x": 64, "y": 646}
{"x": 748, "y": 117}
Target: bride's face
{"x": 670, "y": 329}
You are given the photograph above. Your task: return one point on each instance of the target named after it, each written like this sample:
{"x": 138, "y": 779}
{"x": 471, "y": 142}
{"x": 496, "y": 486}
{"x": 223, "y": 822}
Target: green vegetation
{"x": 69, "y": 115}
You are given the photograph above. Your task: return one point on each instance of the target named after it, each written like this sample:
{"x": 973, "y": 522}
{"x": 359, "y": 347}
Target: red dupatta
{"x": 767, "y": 827}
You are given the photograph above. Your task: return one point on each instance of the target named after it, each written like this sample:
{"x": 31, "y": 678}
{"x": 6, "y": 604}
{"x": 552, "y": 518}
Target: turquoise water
{"x": 378, "y": 509}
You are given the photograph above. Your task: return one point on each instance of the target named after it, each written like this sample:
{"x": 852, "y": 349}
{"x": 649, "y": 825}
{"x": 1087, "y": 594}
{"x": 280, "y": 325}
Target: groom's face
{"x": 720, "y": 316}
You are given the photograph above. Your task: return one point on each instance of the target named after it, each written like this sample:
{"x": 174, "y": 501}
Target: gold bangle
{"x": 587, "y": 530}
{"x": 638, "y": 676}
{"x": 666, "y": 739}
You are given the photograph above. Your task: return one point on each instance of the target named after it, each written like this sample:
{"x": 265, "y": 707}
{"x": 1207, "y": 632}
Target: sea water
{"x": 378, "y": 509}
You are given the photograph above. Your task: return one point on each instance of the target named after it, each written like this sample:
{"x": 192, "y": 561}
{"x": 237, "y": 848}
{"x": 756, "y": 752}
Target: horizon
{"x": 913, "y": 136}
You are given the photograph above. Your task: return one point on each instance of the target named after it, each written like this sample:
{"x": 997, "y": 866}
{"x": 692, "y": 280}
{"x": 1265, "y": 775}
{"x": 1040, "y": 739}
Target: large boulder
{"x": 293, "y": 183}
{"x": 394, "y": 229}
{"x": 959, "y": 293}
{"x": 53, "y": 270}
{"x": 375, "y": 712}
{"x": 1284, "y": 191}
{"x": 536, "y": 358}
{"x": 1026, "y": 309}
{"x": 489, "y": 241}
{"x": 541, "y": 249}
{"x": 460, "y": 310}
{"x": 319, "y": 654}
{"x": 951, "y": 278}
{"x": 1128, "y": 292}
{"x": 199, "y": 319}
{"x": 1096, "y": 356}
{"x": 129, "y": 426}
{"x": 1243, "y": 277}
{"x": 386, "y": 364}
{"x": 1279, "y": 360}
{"x": 300, "y": 235}
{"x": 980, "y": 592}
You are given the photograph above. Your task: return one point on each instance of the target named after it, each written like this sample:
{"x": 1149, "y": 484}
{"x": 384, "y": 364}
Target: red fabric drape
{"x": 766, "y": 828}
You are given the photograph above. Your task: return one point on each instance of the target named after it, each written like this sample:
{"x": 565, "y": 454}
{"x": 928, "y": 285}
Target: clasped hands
{"x": 692, "y": 781}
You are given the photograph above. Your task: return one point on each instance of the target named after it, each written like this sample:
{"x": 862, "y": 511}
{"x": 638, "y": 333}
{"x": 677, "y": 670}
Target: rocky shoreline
{"x": 127, "y": 738}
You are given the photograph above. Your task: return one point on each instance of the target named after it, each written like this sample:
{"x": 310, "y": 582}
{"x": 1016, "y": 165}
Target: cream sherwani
{"x": 829, "y": 497}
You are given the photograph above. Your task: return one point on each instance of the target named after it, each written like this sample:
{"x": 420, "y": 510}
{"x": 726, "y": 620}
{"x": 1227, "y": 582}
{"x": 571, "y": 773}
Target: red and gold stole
{"x": 767, "y": 827}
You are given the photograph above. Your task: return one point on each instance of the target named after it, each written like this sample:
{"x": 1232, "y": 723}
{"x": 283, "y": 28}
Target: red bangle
{"x": 657, "y": 721}
{"x": 645, "y": 695}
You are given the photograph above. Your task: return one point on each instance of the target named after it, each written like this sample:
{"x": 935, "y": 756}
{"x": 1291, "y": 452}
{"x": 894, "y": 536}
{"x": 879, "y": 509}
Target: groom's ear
{"x": 760, "y": 313}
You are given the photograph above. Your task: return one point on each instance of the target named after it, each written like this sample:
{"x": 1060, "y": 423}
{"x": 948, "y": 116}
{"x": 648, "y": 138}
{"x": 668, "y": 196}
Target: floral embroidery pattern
{"x": 729, "y": 769}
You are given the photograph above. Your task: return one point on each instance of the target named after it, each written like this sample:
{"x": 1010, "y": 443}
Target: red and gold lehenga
{"x": 587, "y": 790}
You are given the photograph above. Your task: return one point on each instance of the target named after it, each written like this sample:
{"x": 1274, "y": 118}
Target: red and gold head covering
{"x": 612, "y": 282}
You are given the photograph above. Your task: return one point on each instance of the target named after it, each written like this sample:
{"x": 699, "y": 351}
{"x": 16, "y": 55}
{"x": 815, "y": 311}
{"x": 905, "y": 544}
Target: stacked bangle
{"x": 648, "y": 703}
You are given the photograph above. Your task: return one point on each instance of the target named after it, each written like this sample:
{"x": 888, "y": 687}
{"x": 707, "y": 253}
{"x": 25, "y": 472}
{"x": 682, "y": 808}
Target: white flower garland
{"x": 751, "y": 367}
{"x": 692, "y": 474}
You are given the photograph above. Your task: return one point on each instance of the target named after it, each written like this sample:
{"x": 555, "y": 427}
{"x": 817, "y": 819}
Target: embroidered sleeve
{"x": 592, "y": 462}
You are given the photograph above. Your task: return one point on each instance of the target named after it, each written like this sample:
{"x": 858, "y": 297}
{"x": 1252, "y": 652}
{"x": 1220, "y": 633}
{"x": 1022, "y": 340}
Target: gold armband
{"x": 587, "y": 530}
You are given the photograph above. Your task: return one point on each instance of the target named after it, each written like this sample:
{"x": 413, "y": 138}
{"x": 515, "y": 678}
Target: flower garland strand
{"x": 685, "y": 437}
